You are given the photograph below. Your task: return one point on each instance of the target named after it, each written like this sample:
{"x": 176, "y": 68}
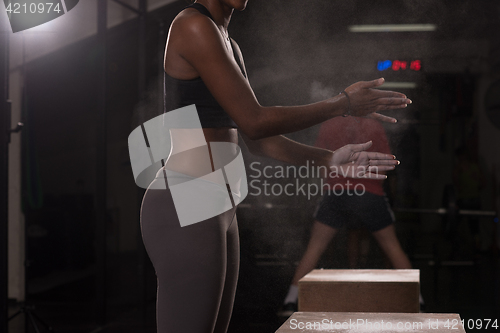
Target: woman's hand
{"x": 367, "y": 101}
{"x": 354, "y": 162}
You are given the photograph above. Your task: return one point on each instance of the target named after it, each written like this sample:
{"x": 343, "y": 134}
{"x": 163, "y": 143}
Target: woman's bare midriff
{"x": 191, "y": 156}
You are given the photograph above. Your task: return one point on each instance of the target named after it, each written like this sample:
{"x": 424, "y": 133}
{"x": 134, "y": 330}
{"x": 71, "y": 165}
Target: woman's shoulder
{"x": 191, "y": 21}
{"x": 193, "y": 35}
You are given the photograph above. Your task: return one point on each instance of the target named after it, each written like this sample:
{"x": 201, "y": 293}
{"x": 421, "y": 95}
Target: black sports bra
{"x": 180, "y": 93}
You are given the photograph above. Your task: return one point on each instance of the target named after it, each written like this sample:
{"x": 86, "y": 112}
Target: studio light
{"x": 392, "y": 27}
{"x": 398, "y": 85}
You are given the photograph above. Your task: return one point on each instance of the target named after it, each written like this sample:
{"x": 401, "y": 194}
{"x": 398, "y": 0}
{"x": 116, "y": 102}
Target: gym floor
{"x": 66, "y": 302}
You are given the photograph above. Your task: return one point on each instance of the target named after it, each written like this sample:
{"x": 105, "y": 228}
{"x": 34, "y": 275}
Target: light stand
{"x": 4, "y": 173}
{"x": 5, "y": 121}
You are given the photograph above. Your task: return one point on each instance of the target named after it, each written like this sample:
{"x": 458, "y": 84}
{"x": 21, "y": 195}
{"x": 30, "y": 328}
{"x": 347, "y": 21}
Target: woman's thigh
{"x": 190, "y": 264}
{"x": 232, "y": 270}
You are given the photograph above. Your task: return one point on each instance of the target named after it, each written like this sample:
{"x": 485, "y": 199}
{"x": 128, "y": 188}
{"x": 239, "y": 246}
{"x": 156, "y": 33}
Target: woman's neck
{"x": 221, "y": 13}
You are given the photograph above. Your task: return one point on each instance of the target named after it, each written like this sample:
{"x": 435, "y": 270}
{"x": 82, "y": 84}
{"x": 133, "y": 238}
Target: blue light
{"x": 495, "y": 219}
{"x": 383, "y": 65}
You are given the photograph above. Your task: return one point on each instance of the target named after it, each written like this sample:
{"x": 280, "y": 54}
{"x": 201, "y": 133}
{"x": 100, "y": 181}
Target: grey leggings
{"x": 196, "y": 266}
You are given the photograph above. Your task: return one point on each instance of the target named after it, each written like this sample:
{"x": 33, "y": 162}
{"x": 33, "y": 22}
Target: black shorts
{"x": 353, "y": 211}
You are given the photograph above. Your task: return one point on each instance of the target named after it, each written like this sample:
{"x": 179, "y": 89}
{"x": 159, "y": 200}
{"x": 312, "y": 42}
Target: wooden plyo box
{"x": 353, "y": 322}
{"x": 360, "y": 290}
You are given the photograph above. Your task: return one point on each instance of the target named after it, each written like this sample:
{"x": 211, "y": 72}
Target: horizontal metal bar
{"x": 451, "y": 263}
{"x": 418, "y": 122}
{"x": 440, "y": 211}
{"x": 444, "y": 211}
{"x": 477, "y": 212}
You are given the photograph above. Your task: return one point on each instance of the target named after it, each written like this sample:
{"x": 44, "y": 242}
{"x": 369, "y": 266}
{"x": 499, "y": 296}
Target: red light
{"x": 395, "y": 65}
{"x": 403, "y": 64}
{"x": 415, "y": 65}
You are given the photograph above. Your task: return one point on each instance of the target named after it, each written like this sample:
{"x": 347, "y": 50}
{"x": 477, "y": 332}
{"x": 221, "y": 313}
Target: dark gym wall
{"x": 61, "y": 109}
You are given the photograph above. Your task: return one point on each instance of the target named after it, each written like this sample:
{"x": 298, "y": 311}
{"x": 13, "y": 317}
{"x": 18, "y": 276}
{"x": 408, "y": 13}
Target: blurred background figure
{"x": 358, "y": 245}
{"x": 349, "y": 203}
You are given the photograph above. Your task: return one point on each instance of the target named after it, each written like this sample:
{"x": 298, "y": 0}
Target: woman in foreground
{"x": 197, "y": 265}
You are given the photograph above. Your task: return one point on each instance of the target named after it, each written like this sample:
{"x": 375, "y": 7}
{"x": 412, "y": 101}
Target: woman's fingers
{"x": 377, "y": 163}
{"x": 368, "y": 164}
{"x": 378, "y": 93}
{"x": 394, "y": 101}
{"x": 391, "y": 107}
{"x": 374, "y": 83}
{"x": 381, "y": 156}
{"x": 365, "y": 99}
{"x": 370, "y": 175}
{"x": 381, "y": 117}
{"x": 356, "y": 148}
{"x": 381, "y": 168}
{"x": 376, "y": 172}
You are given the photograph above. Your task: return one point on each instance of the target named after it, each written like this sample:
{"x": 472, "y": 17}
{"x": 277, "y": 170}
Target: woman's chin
{"x": 239, "y": 5}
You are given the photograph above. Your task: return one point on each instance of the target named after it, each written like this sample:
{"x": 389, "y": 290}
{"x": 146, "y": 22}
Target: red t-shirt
{"x": 340, "y": 131}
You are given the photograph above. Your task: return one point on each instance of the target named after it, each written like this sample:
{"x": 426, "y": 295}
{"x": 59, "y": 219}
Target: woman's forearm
{"x": 276, "y": 120}
{"x": 289, "y": 151}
